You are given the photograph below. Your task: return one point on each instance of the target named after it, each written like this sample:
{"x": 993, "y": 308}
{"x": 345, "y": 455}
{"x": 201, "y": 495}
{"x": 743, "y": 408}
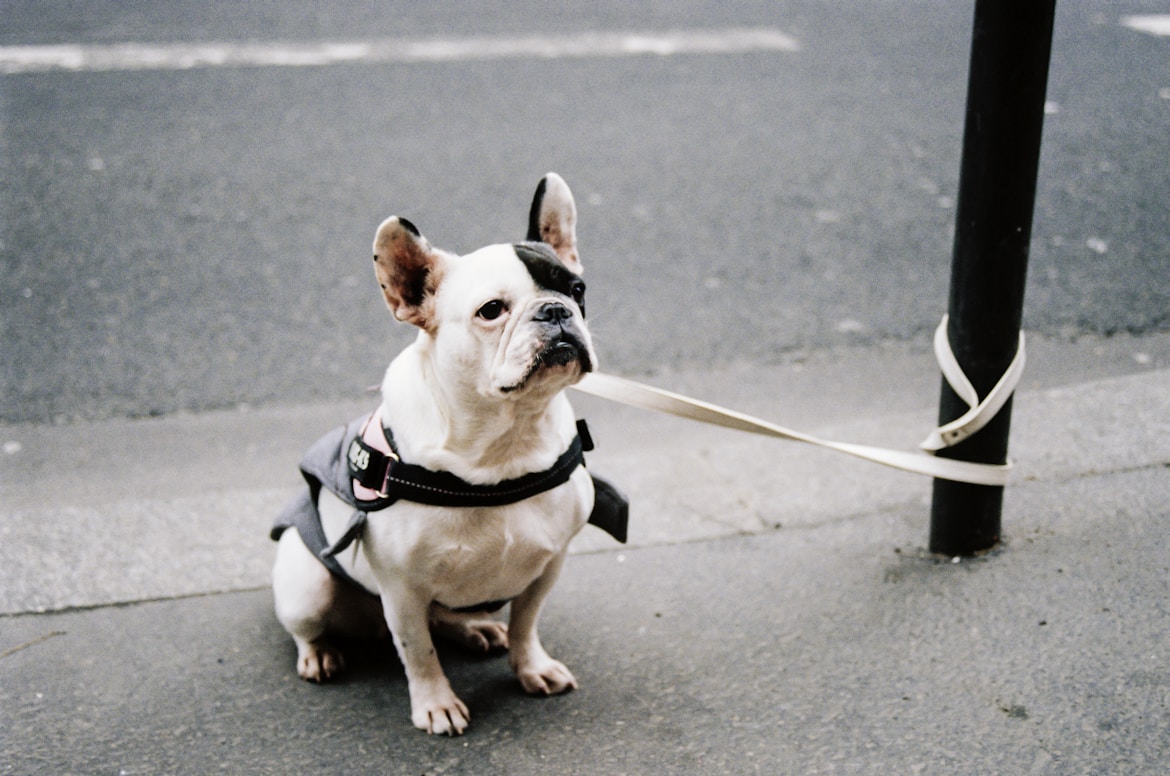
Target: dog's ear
{"x": 408, "y": 270}
{"x": 553, "y": 219}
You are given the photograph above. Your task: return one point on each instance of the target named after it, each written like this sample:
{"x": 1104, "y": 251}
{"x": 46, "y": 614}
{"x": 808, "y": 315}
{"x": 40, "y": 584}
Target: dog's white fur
{"x": 459, "y": 399}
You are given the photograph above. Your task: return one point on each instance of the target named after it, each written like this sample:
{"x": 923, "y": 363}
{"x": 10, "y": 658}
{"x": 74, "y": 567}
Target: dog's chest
{"x": 502, "y": 552}
{"x": 465, "y": 556}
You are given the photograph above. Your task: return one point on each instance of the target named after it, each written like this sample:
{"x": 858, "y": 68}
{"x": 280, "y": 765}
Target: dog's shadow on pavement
{"x": 375, "y": 662}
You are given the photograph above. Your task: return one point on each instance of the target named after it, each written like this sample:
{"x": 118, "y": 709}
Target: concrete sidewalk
{"x": 774, "y": 613}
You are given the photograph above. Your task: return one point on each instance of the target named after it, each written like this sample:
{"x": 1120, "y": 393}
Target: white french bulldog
{"x": 477, "y": 398}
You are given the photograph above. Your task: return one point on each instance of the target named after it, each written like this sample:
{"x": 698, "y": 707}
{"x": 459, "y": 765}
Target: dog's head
{"x": 506, "y": 320}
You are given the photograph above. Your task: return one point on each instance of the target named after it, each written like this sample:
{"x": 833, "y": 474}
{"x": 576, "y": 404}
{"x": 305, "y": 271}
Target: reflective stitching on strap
{"x": 536, "y": 486}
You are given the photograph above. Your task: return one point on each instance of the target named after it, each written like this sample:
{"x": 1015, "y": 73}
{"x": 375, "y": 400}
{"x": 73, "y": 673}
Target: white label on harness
{"x": 359, "y": 457}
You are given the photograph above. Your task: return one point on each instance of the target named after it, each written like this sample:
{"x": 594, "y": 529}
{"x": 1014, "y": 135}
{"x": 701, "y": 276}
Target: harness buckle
{"x": 391, "y": 459}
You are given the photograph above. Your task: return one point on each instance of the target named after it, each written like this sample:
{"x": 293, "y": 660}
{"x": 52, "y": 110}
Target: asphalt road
{"x": 192, "y": 239}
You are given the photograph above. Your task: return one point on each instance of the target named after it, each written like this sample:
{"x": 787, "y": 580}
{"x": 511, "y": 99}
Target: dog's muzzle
{"x": 563, "y": 344}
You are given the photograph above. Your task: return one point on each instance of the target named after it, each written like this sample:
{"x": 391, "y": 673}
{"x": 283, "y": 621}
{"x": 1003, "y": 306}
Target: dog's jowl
{"x": 460, "y": 492}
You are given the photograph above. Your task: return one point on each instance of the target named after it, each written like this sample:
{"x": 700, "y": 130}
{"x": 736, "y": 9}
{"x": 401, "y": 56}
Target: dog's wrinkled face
{"x": 512, "y": 316}
{"x": 506, "y": 320}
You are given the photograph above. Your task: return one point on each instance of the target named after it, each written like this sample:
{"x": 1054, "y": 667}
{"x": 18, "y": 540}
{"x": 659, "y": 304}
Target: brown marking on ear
{"x": 553, "y": 219}
{"x": 407, "y": 269}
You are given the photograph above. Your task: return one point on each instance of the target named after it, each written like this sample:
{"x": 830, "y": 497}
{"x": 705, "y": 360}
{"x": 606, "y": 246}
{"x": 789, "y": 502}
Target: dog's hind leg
{"x": 476, "y": 631}
{"x": 306, "y": 600}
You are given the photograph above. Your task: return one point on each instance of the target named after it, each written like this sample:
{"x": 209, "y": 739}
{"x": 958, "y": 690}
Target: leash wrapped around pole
{"x": 634, "y": 394}
{"x": 980, "y": 412}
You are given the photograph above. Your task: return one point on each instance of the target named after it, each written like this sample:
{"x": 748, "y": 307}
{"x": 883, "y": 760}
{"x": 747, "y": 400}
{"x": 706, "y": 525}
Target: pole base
{"x": 964, "y": 518}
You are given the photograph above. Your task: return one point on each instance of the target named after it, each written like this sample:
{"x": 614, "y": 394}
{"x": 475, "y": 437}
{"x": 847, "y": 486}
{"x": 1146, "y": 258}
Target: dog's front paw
{"x": 318, "y": 661}
{"x": 544, "y": 676}
{"x": 439, "y": 712}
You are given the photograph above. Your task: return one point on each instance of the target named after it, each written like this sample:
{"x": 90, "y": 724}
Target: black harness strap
{"x": 395, "y": 480}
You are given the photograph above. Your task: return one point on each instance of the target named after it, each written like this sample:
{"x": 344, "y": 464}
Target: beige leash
{"x": 634, "y": 394}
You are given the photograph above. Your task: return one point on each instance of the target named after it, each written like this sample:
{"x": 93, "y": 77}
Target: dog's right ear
{"x": 407, "y": 268}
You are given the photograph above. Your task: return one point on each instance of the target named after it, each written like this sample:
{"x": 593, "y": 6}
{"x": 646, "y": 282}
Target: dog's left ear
{"x": 553, "y": 219}
{"x": 408, "y": 270}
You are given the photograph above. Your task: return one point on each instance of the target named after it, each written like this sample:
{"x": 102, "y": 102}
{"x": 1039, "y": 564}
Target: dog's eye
{"x": 577, "y": 291}
{"x": 492, "y": 310}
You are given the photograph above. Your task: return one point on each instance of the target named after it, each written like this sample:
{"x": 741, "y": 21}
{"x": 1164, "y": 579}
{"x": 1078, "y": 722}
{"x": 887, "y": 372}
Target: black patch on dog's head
{"x": 548, "y": 271}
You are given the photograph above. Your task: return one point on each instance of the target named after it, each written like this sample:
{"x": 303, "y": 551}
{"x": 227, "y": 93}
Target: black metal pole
{"x": 1010, "y": 49}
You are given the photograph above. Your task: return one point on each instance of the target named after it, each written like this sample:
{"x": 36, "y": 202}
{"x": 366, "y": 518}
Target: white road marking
{"x": 185, "y": 56}
{"x": 1154, "y": 24}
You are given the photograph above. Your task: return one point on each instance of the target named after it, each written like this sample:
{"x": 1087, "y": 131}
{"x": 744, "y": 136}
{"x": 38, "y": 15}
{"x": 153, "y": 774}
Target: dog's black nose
{"x": 552, "y": 312}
